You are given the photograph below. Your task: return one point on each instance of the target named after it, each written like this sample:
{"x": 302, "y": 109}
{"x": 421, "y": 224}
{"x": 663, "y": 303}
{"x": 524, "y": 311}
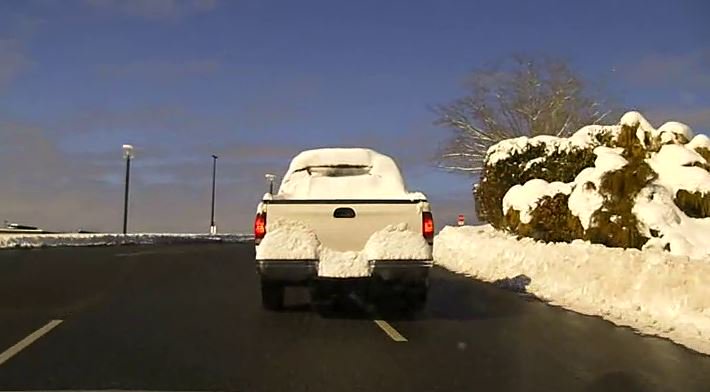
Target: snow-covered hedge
{"x": 517, "y": 161}
{"x": 651, "y": 291}
{"x": 628, "y": 185}
{"x": 54, "y": 240}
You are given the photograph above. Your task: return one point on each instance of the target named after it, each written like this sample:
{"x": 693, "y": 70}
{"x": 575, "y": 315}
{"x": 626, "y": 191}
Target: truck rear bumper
{"x": 303, "y": 271}
{"x": 404, "y": 270}
{"x": 293, "y": 271}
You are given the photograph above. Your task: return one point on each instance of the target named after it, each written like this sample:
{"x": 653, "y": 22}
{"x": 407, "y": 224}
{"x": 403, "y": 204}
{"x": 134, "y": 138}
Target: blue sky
{"x": 257, "y": 81}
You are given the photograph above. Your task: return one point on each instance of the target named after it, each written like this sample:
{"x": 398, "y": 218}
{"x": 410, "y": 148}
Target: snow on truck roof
{"x": 343, "y": 173}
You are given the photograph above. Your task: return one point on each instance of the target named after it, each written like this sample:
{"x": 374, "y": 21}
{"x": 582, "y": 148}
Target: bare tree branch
{"x": 523, "y": 97}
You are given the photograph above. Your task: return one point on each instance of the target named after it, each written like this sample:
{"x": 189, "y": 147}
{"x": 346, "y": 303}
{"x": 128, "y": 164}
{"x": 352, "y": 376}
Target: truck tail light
{"x": 428, "y": 227}
{"x": 259, "y": 227}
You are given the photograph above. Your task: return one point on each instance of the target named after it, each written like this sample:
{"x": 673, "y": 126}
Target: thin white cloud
{"x": 153, "y": 9}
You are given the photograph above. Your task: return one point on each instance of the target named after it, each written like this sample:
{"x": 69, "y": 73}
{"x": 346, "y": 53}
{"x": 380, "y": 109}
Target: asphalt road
{"x": 188, "y": 318}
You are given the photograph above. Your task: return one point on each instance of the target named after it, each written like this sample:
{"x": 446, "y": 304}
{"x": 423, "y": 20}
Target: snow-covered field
{"x": 651, "y": 291}
{"x": 108, "y": 239}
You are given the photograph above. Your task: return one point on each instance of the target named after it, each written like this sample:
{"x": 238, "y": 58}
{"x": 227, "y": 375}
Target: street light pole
{"x": 127, "y": 154}
{"x": 213, "y": 227}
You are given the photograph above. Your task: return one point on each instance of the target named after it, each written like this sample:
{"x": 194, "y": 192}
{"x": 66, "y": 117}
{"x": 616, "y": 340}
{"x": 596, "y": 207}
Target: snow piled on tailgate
{"x": 651, "y": 291}
{"x": 288, "y": 240}
{"x": 397, "y": 242}
{"x": 292, "y": 240}
{"x": 343, "y": 173}
{"x": 337, "y": 264}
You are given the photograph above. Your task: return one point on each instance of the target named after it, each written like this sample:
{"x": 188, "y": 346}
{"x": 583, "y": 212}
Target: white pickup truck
{"x": 342, "y": 217}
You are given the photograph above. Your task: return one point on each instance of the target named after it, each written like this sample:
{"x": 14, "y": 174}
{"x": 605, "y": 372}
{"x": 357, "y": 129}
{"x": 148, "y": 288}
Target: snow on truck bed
{"x": 292, "y": 240}
{"x": 651, "y": 291}
{"x": 343, "y": 173}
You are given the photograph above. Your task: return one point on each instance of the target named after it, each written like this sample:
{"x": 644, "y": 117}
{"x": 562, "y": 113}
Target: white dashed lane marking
{"x": 131, "y": 254}
{"x": 31, "y": 338}
{"x": 390, "y": 331}
{"x": 384, "y": 325}
{"x": 148, "y": 252}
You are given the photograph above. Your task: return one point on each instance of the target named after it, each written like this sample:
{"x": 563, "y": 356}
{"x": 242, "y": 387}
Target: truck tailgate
{"x": 347, "y": 225}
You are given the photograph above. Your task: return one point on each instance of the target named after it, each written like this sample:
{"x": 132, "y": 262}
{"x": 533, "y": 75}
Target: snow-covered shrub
{"x": 614, "y": 224}
{"x": 617, "y": 185}
{"x": 551, "y": 221}
{"x": 693, "y": 204}
{"x": 538, "y": 158}
{"x": 703, "y": 151}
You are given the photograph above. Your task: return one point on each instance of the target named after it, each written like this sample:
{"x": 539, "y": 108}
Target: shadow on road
{"x": 457, "y": 297}
{"x": 620, "y": 381}
{"x": 451, "y": 297}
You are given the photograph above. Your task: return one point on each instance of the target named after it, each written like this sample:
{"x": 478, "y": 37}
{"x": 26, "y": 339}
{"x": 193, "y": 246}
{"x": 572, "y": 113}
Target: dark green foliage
{"x": 612, "y": 225}
{"x": 703, "y": 166}
{"x": 618, "y": 229}
{"x": 621, "y": 186}
{"x": 498, "y": 178}
{"x": 628, "y": 140}
{"x": 704, "y": 152}
{"x": 476, "y": 204}
{"x": 552, "y": 221}
{"x": 558, "y": 166}
{"x": 695, "y": 204}
{"x": 615, "y": 224}
{"x": 604, "y": 139}
{"x": 511, "y": 223}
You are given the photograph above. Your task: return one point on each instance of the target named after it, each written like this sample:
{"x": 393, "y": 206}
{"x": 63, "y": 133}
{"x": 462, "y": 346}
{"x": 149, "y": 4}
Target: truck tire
{"x": 272, "y": 294}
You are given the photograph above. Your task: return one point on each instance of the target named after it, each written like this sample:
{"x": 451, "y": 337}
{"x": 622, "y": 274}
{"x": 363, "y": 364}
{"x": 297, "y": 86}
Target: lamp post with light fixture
{"x": 213, "y": 226}
{"x": 270, "y": 178}
{"x": 127, "y": 155}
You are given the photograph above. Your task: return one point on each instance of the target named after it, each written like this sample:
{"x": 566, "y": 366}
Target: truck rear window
{"x": 338, "y": 170}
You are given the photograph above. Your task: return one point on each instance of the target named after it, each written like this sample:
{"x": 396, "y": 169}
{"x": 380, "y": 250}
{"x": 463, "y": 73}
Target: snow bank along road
{"x": 188, "y": 317}
{"x": 650, "y": 290}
